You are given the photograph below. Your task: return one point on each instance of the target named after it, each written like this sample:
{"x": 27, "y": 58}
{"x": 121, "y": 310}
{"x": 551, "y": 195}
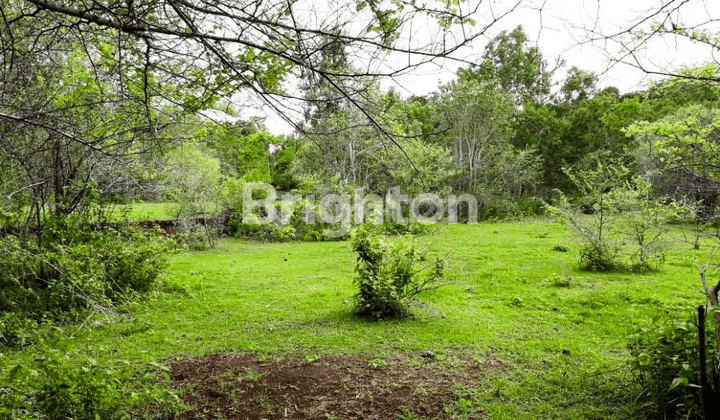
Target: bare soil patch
{"x": 240, "y": 386}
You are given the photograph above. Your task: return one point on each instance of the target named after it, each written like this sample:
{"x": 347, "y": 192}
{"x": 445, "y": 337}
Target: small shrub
{"x": 532, "y": 206}
{"x": 499, "y": 208}
{"x": 644, "y": 222}
{"x": 16, "y": 329}
{"x": 620, "y": 205}
{"x": 388, "y": 276}
{"x": 665, "y": 363}
{"x": 287, "y": 233}
{"x": 133, "y": 260}
{"x": 600, "y": 255}
{"x": 198, "y": 236}
{"x": 599, "y": 249}
{"x": 260, "y": 232}
{"x": 393, "y": 228}
{"x": 59, "y": 385}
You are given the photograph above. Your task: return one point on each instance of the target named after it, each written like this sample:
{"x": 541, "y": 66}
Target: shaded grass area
{"x": 144, "y": 211}
{"x": 560, "y": 333}
{"x": 121, "y": 212}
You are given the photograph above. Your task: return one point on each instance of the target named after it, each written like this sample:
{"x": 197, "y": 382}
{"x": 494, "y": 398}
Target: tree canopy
{"x": 194, "y": 53}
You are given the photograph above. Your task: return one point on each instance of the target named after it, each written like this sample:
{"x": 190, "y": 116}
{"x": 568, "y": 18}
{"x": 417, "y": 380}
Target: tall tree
{"x": 516, "y": 64}
{"x": 478, "y": 117}
{"x": 680, "y": 152}
{"x": 579, "y": 84}
{"x": 577, "y": 129}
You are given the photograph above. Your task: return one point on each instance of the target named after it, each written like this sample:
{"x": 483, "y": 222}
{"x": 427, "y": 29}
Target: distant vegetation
{"x": 123, "y": 113}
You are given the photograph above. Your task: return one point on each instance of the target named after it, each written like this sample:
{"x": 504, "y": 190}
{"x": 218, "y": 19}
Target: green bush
{"x": 61, "y": 385}
{"x": 195, "y": 235}
{"x": 133, "y": 259}
{"x": 665, "y": 363}
{"x": 296, "y": 228}
{"x": 76, "y": 267}
{"x": 596, "y": 224}
{"x": 598, "y": 255}
{"x": 393, "y": 228}
{"x": 261, "y": 232}
{"x": 644, "y": 222}
{"x": 17, "y": 329}
{"x": 293, "y": 225}
{"x": 389, "y": 276}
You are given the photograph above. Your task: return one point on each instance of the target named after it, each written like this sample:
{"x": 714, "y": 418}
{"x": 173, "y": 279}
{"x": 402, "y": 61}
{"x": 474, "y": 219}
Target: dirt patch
{"x": 240, "y": 386}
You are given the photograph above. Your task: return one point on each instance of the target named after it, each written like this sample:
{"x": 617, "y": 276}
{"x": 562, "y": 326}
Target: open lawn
{"x": 520, "y": 333}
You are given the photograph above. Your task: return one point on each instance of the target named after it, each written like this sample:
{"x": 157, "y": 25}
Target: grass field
{"x": 558, "y": 333}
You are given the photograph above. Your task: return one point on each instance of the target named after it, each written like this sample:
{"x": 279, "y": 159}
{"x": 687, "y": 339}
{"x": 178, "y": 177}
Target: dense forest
{"x": 108, "y": 107}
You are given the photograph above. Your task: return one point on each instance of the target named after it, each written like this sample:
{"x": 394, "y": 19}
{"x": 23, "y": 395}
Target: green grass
{"x": 511, "y": 295}
{"x": 135, "y": 211}
{"x": 145, "y": 211}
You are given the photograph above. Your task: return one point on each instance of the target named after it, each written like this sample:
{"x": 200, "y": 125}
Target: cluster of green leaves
{"x": 77, "y": 267}
{"x": 575, "y": 129}
{"x": 517, "y": 65}
{"x": 389, "y": 275}
{"x": 290, "y": 226}
{"x": 665, "y": 363}
{"x": 63, "y": 383}
{"x": 679, "y": 146}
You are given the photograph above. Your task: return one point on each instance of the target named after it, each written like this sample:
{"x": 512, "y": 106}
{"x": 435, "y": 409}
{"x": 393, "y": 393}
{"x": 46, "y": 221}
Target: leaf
{"x": 678, "y": 382}
{"x": 14, "y": 372}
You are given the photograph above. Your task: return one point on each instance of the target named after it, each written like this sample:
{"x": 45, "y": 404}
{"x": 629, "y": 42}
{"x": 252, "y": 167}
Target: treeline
{"x": 508, "y": 130}
{"x": 505, "y": 131}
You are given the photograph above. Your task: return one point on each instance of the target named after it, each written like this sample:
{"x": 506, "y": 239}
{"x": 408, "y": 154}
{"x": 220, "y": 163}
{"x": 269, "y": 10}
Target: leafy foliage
{"x": 644, "y": 221}
{"x": 478, "y": 116}
{"x": 680, "y": 151}
{"x": 77, "y": 268}
{"x": 665, "y": 363}
{"x": 516, "y": 64}
{"x": 388, "y": 276}
{"x": 63, "y": 385}
{"x": 618, "y": 207}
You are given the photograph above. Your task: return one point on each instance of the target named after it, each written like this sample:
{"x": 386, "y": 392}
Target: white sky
{"x": 559, "y": 33}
